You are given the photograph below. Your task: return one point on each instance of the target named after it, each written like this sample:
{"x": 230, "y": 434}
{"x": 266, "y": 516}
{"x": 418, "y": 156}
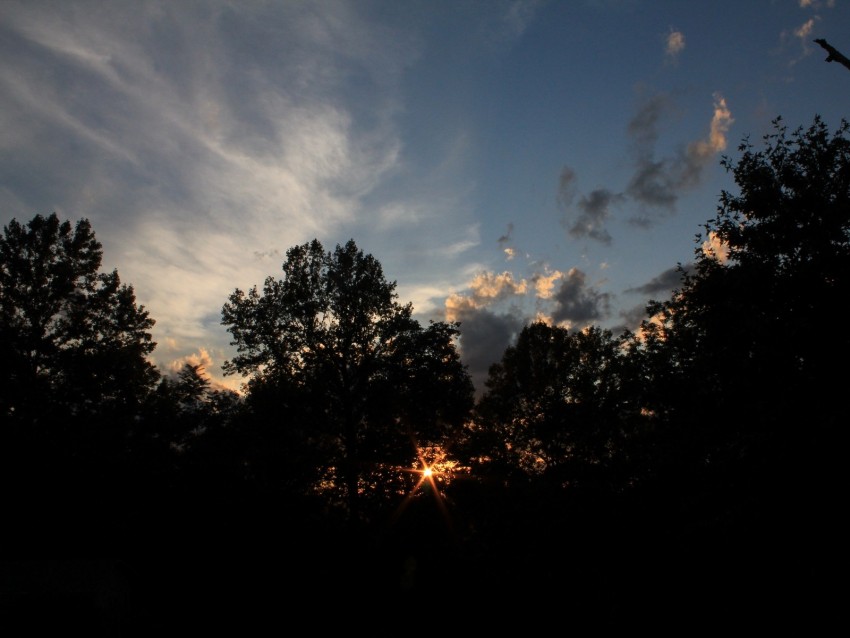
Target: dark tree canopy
{"x": 745, "y": 322}
{"x": 552, "y": 402}
{"x": 74, "y": 342}
{"x": 357, "y": 381}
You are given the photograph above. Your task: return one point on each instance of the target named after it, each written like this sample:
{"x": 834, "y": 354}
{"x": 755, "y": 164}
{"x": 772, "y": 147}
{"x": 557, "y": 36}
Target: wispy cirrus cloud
{"x": 201, "y": 139}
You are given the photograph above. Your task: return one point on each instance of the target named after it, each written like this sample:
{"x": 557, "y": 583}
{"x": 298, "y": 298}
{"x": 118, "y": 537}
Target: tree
{"x": 552, "y": 403}
{"x": 743, "y": 366}
{"x": 741, "y": 333}
{"x": 74, "y": 376}
{"x": 74, "y": 342}
{"x": 834, "y": 54}
{"x": 361, "y": 384}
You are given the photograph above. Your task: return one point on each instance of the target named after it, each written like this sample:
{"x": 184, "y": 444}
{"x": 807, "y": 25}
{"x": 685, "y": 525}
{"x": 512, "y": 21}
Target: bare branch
{"x": 833, "y": 53}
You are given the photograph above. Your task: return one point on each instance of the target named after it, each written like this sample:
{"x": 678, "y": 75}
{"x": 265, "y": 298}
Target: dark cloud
{"x": 657, "y": 183}
{"x": 654, "y": 181}
{"x": 566, "y": 187}
{"x": 484, "y": 337}
{"x": 594, "y": 212}
{"x": 643, "y": 127}
{"x": 666, "y": 282}
{"x": 504, "y": 239}
{"x": 632, "y": 319}
{"x": 654, "y": 184}
{"x": 577, "y": 302}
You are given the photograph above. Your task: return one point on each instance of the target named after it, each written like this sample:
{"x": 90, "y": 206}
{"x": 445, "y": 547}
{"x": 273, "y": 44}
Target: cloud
{"x": 504, "y": 239}
{"x": 700, "y": 154}
{"x": 516, "y": 17}
{"x": 632, "y": 318}
{"x": 595, "y": 209}
{"x": 197, "y": 157}
{"x": 657, "y": 184}
{"x": 484, "y": 337}
{"x": 566, "y": 186}
{"x": 666, "y": 282}
{"x": 203, "y": 359}
{"x": 577, "y": 303}
{"x": 544, "y": 284}
{"x": 805, "y": 30}
{"x": 715, "y": 247}
{"x": 675, "y": 44}
{"x": 486, "y": 288}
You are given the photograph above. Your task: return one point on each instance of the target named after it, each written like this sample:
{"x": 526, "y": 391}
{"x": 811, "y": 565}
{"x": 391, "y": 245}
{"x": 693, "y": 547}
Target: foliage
{"x": 358, "y": 383}
{"x": 741, "y": 332}
{"x": 74, "y": 342}
{"x": 552, "y": 402}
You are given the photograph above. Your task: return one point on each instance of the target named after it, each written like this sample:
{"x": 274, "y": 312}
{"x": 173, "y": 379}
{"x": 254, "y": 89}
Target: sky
{"x": 505, "y": 161}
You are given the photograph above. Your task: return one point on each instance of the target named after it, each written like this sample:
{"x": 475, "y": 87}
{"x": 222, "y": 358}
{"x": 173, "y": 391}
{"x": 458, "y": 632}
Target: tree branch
{"x": 833, "y": 53}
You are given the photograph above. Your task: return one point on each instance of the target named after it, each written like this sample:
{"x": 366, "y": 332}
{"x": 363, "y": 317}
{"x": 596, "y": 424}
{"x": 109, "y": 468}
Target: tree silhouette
{"x": 358, "y": 385}
{"x": 74, "y": 372}
{"x": 834, "y": 54}
{"x": 552, "y": 401}
{"x": 74, "y": 341}
{"x": 740, "y": 368}
{"x": 743, "y": 321}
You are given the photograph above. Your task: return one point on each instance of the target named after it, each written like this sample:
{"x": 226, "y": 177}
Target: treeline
{"x": 689, "y": 470}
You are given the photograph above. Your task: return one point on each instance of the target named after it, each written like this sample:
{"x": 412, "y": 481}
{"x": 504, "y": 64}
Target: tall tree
{"x": 74, "y": 375}
{"x": 359, "y": 382}
{"x": 743, "y": 366}
{"x": 74, "y": 341}
{"x": 742, "y": 331}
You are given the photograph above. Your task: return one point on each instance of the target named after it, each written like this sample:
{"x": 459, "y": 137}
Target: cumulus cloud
{"x": 577, "y": 303}
{"x": 715, "y": 247}
{"x": 204, "y": 360}
{"x": 484, "y": 337}
{"x": 485, "y": 288}
{"x": 675, "y": 44}
{"x": 544, "y": 283}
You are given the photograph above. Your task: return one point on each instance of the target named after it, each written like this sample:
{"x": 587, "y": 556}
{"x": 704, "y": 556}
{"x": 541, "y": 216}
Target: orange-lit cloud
{"x": 715, "y": 247}
{"x": 675, "y": 44}
{"x": 203, "y": 359}
{"x": 720, "y": 123}
{"x": 484, "y": 289}
{"x": 488, "y": 285}
{"x": 200, "y": 358}
{"x": 805, "y": 30}
{"x": 815, "y": 4}
{"x": 544, "y": 285}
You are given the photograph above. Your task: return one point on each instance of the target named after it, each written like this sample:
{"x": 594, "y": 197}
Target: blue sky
{"x": 503, "y": 160}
